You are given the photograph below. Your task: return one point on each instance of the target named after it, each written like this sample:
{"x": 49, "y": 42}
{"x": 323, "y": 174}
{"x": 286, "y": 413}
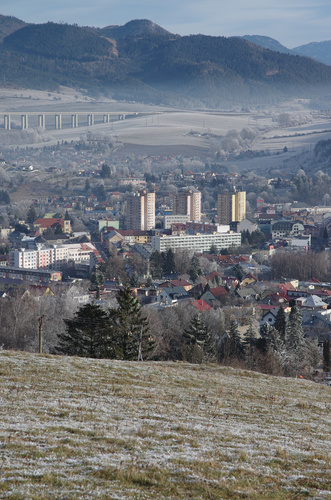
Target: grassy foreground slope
{"x": 75, "y": 428}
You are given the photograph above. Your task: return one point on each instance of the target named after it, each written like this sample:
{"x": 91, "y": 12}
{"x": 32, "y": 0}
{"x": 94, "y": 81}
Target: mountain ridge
{"x": 141, "y": 61}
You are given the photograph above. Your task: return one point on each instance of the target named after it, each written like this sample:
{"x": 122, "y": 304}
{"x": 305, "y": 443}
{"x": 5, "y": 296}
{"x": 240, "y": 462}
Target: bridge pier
{"x": 42, "y": 121}
{"x": 90, "y": 120}
{"x": 74, "y": 121}
{"x": 6, "y": 122}
{"x": 24, "y": 122}
{"x": 105, "y": 118}
{"x": 58, "y": 122}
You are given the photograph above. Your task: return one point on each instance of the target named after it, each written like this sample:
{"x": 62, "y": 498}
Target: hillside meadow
{"x": 75, "y": 428}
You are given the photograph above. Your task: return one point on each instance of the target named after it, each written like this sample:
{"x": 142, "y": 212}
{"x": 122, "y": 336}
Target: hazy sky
{"x": 291, "y": 22}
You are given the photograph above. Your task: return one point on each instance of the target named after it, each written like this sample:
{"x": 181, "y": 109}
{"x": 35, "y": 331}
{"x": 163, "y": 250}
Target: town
{"x": 208, "y": 250}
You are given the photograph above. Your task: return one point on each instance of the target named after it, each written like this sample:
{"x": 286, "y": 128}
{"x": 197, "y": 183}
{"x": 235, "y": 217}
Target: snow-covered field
{"x": 163, "y": 126}
{"x": 75, "y": 428}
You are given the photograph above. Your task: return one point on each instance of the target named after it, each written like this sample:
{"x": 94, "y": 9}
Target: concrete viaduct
{"x": 56, "y": 120}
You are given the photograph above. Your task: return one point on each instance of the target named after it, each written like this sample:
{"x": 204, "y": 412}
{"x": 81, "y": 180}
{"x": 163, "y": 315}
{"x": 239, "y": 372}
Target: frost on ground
{"x": 79, "y": 428}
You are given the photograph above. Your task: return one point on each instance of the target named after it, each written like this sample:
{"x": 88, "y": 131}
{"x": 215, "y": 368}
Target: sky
{"x": 291, "y": 22}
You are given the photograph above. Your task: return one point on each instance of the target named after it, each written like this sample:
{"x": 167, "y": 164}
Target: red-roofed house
{"x": 201, "y": 305}
{"x": 210, "y": 296}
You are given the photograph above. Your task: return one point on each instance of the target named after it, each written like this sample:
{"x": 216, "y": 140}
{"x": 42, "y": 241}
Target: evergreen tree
{"x": 87, "y": 334}
{"x": 87, "y": 185}
{"x": 326, "y": 356}
{"x": 294, "y": 336}
{"x": 195, "y": 269}
{"x": 295, "y": 344}
{"x": 105, "y": 171}
{"x": 4, "y": 197}
{"x": 129, "y": 328}
{"x": 238, "y": 272}
{"x": 197, "y": 340}
{"x": 250, "y": 336}
{"x": 264, "y": 330}
{"x": 31, "y": 216}
{"x": 231, "y": 345}
{"x": 156, "y": 262}
{"x": 168, "y": 266}
{"x": 197, "y": 333}
{"x": 213, "y": 249}
{"x": 280, "y": 323}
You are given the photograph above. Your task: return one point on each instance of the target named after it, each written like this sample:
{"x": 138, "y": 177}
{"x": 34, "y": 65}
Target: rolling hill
{"x": 90, "y": 428}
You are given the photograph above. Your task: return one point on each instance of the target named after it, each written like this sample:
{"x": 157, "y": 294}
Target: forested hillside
{"x": 141, "y": 61}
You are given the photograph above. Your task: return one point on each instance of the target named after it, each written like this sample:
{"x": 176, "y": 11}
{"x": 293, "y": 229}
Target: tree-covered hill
{"x": 143, "y": 62}
{"x": 8, "y": 25}
{"x": 135, "y": 28}
{"x": 59, "y": 41}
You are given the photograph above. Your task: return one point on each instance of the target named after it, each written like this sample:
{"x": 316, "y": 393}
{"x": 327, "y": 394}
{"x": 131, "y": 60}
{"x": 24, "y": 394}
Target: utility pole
{"x": 40, "y": 321}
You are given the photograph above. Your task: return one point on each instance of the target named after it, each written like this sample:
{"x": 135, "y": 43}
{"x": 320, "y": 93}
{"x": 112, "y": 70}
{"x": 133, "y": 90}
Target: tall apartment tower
{"x": 187, "y": 203}
{"x": 140, "y": 211}
{"x": 231, "y": 207}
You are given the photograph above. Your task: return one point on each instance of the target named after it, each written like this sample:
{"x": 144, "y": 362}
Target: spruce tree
{"x": 168, "y": 266}
{"x": 130, "y": 330}
{"x": 87, "y": 334}
{"x": 294, "y": 336}
{"x": 295, "y": 344}
{"x": 197, "y": 340}
{"x": 280, "y": 323}
{"x": 197, "y": 333}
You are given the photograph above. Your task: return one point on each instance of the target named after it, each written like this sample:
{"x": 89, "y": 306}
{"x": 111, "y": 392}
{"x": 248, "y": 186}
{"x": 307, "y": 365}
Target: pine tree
{"x": 280, "y": 323}
{"x": 130, "y": 329}
{"x": 87, "y": 334}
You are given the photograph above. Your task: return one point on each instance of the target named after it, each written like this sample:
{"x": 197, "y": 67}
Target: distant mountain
{"x": 267, "y": 43}
{"x": 321, "y": 51}
{"x": 135, "y": 28}
{"x": 8, "y": 25}
{"x": 59, "y": 41}
{"x": 141, "y": 61}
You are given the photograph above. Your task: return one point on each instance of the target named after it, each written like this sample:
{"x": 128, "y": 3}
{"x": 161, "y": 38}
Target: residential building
{"x": 231, "y": 207}
{"x": 187, "y": 203}
{"x": 199, "y": 243}
{"x": 140, "y": 211}
{"x": 52, "y": 257}
{"x": 169, "y": 220}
